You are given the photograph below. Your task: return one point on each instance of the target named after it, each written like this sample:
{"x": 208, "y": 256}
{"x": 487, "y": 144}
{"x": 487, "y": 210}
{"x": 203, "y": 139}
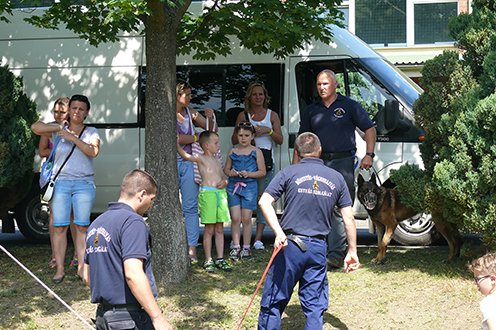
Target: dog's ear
{"x": 373, "y": 179}
{"x": 360, "y": 180}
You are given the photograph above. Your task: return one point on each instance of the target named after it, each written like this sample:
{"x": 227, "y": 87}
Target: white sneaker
{"x": 258, "y": 245}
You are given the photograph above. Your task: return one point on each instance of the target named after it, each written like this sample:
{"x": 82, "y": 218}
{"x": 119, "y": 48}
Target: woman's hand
{"x": 259, "y": 129}
{"x": 209, "y": 113}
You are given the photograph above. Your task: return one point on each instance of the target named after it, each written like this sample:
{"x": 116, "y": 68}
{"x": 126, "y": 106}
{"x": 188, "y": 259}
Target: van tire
{"x": 417, "y": 230}
{"x": 32, "y": 216}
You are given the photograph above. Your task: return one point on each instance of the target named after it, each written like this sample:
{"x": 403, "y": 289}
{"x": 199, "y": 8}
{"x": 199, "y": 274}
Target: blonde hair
{"x": 486, "y": 264}
{"x": 249, "y": 91}
{"x": 181, "y": 87}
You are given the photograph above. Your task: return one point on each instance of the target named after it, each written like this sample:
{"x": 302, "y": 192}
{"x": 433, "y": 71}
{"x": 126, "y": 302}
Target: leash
{"x": 46, "y": 287}
{"x": 276, "y": 250}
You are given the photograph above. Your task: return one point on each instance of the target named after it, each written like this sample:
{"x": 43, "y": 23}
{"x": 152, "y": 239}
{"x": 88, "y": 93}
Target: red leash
{"x": 276, "y": 250}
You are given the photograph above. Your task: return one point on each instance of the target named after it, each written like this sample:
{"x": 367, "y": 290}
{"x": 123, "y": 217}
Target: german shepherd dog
{"x": 385, "y": 209}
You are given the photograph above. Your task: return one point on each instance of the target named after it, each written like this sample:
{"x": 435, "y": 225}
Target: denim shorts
{"x": 247, "y": 198}
{"x": 76, "y": 194}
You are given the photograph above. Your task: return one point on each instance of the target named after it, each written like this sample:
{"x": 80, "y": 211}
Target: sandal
{"x": 52, "y": 262}
{"x": 74, "y": 262}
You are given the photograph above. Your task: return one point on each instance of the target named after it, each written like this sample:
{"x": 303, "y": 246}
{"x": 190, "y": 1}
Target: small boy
{"x": 484, "y": 270}
{"x": 212, "y": 201}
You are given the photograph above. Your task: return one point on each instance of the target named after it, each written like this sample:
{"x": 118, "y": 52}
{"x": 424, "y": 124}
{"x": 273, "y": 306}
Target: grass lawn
{"x": 414, "y": 289}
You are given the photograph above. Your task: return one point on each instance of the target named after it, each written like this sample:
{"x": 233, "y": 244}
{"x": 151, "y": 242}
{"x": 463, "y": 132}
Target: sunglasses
{"x": 477, "y": 280}
{"x": 245, "y": 124}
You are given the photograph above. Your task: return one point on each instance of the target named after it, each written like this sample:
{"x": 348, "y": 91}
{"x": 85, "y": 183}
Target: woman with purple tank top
{"x": 187, "y": 119}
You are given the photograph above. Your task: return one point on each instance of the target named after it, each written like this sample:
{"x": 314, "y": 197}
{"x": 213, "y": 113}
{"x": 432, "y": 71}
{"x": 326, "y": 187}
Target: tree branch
{"x": 208, "y": 18}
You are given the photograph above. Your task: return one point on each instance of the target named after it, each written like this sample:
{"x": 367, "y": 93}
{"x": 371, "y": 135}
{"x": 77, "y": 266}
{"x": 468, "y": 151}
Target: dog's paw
{"x": 379, "y": 261}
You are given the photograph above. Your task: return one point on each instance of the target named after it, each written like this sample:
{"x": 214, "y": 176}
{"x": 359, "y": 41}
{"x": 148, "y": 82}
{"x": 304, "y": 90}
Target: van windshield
{"x": 399, "y": 84}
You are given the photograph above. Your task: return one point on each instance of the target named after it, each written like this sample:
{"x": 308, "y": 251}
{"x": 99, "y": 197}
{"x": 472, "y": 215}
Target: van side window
{"x": 366, "y": 90}
{"x": 223, "y": 87}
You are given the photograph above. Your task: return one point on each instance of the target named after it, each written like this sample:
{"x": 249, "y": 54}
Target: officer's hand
{"x": 366, "y": 162}
{"x": 161, "y": 323}
{"x": 351, "y": 262}
{"x": 281, "y": 241}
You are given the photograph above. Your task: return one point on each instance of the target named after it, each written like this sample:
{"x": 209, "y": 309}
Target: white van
{"x": 57, "y": 63}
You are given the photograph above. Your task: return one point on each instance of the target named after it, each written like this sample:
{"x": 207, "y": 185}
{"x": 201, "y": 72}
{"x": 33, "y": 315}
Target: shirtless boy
{"x": 212, "y": 201}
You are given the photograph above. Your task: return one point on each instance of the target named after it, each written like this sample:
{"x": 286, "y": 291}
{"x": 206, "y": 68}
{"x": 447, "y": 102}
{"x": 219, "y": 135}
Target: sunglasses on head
{"x": 244, "y": 124}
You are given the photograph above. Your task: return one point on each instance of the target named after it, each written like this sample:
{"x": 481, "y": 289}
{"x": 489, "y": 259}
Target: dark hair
{"x": 205, "y": 137}
{"x": 137, "y": 180}
{"x": 181, "y": 86}
{"x": 307, "y": 143}
{"x": 248, "y": 126}
{"x": 80, "y": 98}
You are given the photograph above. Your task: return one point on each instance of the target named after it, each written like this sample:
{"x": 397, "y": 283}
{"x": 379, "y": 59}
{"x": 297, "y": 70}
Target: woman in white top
{"x": 267, "y": 129}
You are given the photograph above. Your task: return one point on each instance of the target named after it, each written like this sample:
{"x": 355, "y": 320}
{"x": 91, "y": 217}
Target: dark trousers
{"x": 337, "y": 246}
{"x": 122, "y": 320}
{"x": 292, "y": 266}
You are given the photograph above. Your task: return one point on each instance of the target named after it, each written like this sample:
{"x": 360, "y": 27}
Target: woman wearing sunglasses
{"x": 187, "y": 119}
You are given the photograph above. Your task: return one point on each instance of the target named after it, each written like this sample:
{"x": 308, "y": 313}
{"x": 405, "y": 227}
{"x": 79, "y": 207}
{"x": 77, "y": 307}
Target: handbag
{"x": 196, "y": 149}
{"x": 46, "y": 192}
{"x": 47, "y": 167}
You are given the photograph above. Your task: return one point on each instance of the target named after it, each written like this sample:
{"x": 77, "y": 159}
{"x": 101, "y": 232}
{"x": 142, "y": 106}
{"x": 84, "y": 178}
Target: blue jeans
{"x": 263, "y": 182}
{"x": 76, "y": 194}
{"x": 189, "y": 198}
{"x": 337, "y": 246}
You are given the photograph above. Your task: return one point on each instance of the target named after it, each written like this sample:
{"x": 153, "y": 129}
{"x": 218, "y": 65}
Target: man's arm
{"x": 86, "y": 274}
{"x": 140, "y": 287}
{"x": 370, "y": 137}
{"x": 269, "y": 213}
{"x": 351, "y": 261}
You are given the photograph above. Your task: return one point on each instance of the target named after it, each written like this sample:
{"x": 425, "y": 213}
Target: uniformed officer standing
{"x": 333, "y": 119}
{"x": 117, "y": 260}
{"x": 311, "y": 192}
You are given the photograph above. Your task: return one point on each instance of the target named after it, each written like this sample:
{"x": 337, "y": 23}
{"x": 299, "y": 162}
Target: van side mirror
{"x": 392, "y": 119}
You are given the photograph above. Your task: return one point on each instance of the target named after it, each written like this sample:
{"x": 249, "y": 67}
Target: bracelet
{"x": 196, "y": 138}
{"x": 61, "y": 127}
{"x": 271, "y": 131}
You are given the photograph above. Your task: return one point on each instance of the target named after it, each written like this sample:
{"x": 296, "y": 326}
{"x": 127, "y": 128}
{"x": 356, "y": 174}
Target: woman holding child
{"x": 187, "y": 120}
{"x": 267, "y": 130}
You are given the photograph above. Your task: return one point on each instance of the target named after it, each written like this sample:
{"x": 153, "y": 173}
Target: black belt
{"x": 336, "y": 155}
{"x": 125, "y": 307}
{"x": 322, "y": 237}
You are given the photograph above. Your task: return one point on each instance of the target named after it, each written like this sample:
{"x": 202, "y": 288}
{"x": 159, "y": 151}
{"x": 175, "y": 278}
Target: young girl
{"x": 244, "y": 165}
{"x": 60, "y": 113}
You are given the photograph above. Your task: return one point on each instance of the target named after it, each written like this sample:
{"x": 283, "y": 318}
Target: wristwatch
{"x": 371, "y": 154}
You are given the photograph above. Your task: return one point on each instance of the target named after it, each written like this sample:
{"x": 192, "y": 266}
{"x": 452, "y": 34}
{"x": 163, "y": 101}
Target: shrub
{"x": 17, "y": 142}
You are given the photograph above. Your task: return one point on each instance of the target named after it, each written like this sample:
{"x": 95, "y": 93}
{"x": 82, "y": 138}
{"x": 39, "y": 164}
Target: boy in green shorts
{"x": 212, "y": 201}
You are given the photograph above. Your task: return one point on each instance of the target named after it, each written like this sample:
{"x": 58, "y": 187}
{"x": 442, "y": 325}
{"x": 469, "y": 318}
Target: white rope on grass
{"x": 46, "y": 287}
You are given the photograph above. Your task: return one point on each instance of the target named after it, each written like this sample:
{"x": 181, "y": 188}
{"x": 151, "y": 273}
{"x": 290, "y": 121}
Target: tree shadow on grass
{"x": 432, "y": 262}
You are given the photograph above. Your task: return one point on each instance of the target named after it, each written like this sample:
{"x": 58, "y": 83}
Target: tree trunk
{"x": 166, "y": 219}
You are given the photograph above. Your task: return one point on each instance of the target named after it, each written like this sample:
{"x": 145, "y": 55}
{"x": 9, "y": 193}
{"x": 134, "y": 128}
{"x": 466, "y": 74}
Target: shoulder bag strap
{"x": 246, "y": 117}
{"x": 70, "y": 154}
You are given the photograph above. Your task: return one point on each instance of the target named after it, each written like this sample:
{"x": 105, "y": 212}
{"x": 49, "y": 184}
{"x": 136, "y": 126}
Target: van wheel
{"x": 33, "y": 216}
{"x": 417, "y": 230}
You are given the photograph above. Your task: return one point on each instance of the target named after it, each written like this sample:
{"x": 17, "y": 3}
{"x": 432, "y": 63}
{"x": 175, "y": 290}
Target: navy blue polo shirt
{"x": 115, "y": 236}
{"x": 335, "y": 126}
{"x": 312, "y": 190}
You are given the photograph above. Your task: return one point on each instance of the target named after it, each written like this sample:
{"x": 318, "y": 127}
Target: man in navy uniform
{"x": 312, "y": 190}
{"x": 117, "y": 260}
{"x": 333, "y": 119}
